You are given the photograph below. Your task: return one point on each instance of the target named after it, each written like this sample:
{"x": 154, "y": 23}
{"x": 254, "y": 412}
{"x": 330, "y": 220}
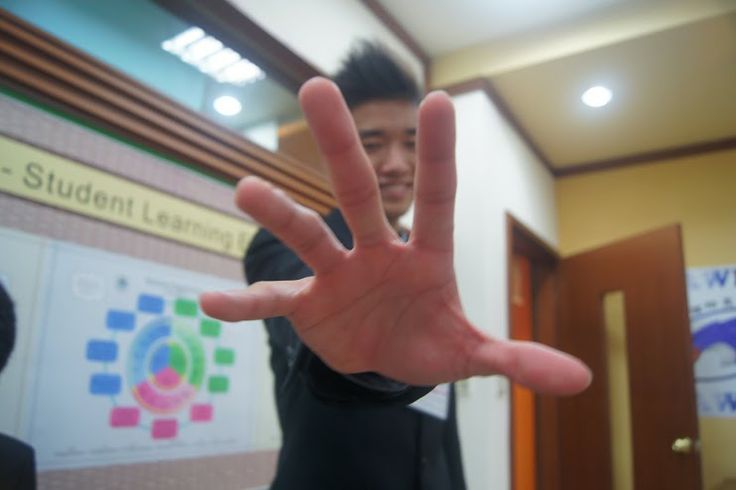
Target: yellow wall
{"x": 698, "y": 192}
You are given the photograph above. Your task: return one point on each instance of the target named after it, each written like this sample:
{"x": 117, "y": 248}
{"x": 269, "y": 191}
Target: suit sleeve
{"x": 27, "y": 476}
{"x": 267, "y": 259}
{"x": 17, "y": 464}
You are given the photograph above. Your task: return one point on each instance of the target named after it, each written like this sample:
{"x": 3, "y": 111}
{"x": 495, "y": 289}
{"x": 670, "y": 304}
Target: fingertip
{"x": 539, "y": 367}
{"x": 571, "y": 376}
{"x": 248, "y": 180}
{"x": 436, "y": 130}
{"x": 244, "y": 185}
{"x": 314, "y": 82}
{"x": 437, "y": 104}
{"x": 250, "y": 191}
{"x": 586, "y": 376}
{"x": 313, "y": 88}
{"x": 438, "y": 94}
{"x": 574, "y": 376}
{"x": 250, "y": 184}
{"x": 207, "y": 301}
{"x": 437, "y": 97}
{"x": 220, "y": 304}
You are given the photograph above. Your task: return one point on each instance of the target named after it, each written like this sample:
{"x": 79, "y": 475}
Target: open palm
{"x": 384, "y": 306}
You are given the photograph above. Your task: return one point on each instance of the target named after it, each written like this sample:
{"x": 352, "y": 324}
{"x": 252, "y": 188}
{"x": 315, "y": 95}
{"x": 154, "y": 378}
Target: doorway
{"x": 621, "y": 308}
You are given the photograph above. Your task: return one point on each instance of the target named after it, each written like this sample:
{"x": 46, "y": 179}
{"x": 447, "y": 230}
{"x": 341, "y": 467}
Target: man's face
{"x": 387, "y": 130}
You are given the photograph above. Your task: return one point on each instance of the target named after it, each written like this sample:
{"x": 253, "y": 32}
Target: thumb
{"x": 536, "y": 366}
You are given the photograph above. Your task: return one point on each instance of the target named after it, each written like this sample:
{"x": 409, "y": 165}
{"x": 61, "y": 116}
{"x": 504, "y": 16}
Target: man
{"x": 336, "y": 433}
{"x": 370, "y": 319}
{"x": 17, "y": 461}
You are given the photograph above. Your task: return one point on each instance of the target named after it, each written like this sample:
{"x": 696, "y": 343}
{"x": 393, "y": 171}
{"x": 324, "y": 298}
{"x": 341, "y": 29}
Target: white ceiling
{"x": 441, "y": 26}
{"x": 671, "y": 64}
{"x": 672, "y": 88}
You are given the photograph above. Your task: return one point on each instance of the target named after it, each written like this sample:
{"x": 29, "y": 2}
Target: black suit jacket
{"x": 17, "y": 465}
{"x": 347, "y": 432}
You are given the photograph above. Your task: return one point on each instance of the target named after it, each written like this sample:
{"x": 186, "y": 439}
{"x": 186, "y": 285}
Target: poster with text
{"x": 712, "y": 300}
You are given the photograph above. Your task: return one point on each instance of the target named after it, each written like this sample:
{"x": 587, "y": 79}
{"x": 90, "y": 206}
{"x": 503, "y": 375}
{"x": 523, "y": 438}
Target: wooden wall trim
{"x": 656, "y": 156}
{"x": 45, "y": 68}
{"x": 642, "y": 158}
{"x": 485, "y": 86}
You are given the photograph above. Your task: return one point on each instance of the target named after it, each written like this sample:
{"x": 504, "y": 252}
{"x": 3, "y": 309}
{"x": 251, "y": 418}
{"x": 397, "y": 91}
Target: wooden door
{"x": 648, "y": 272}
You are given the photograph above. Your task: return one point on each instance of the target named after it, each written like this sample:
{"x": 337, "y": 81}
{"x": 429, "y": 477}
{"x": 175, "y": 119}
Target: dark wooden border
{"x": 44, "y": 68}
{"x": 544, "y": 260}
{"x": 395, "y": 26}
{"x": 657, "y": 156}
{"x": 485, "y": 85}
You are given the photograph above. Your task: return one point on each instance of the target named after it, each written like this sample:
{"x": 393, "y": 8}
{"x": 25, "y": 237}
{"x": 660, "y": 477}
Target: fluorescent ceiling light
{"x": 210, "y": 56}
{"x": 199, "y": 50}
{"x": 178, "y": 43}
{"x": 218, "y": 61}
{"x": 227, "y": 105}
{"x": 242, "y": 70}
{"x": 597, "y": 96}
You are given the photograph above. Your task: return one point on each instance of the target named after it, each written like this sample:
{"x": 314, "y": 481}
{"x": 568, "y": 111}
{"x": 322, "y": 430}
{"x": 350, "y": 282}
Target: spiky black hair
{"x": 370, "y": 73}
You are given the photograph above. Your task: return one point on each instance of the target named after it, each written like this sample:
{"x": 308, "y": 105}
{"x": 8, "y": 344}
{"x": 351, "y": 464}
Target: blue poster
{"x": 712, "y": 300}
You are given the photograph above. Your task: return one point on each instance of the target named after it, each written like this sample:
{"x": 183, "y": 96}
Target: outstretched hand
{"x": 384, "y": 306}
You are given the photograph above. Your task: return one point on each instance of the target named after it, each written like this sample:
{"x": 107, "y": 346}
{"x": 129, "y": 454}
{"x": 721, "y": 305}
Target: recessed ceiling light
{"x": 597, "y": 96}
{"x": 227, "y": 105}
{"x": 210, "y": 56}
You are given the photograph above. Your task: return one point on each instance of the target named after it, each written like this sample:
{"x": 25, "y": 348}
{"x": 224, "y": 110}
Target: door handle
{"x": 685, "y": 445}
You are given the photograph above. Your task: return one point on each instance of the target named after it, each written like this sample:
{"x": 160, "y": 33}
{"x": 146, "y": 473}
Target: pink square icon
{"x": 164, "y": 428}
{"x": 124, "y": 417}
{"x": 201, "y": 412}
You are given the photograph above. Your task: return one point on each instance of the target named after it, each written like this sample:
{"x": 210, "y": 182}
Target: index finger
{"x": 353, "y": 179}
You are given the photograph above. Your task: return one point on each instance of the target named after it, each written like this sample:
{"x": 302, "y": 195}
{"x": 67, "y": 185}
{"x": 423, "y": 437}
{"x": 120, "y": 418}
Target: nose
{"x": 397, "y": 160}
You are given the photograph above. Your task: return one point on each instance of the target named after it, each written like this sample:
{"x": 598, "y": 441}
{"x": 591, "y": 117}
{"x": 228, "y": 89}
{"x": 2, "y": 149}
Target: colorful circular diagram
{"x": 174, "y": 368}
{"x": 166, "y": 366}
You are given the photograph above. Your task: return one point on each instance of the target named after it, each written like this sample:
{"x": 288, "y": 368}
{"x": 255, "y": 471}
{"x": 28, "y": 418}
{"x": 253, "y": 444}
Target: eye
{"x": 371, "y": 146}
{"x": 409, "y": 145}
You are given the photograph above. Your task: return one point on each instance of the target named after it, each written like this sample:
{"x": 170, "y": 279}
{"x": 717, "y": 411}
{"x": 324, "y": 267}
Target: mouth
{"x": 396, "y": 191}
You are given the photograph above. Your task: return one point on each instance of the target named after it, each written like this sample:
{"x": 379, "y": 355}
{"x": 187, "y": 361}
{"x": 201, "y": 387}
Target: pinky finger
{"x": 261, "y": 300}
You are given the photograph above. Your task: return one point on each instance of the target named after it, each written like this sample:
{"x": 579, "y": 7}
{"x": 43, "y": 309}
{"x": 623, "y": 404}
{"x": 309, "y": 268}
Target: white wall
{"x": 322, "y": 31}
{"x": 496, "y": 173}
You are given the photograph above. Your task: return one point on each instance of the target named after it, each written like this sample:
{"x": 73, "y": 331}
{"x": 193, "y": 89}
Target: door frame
{"x": 544, "y": 261}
